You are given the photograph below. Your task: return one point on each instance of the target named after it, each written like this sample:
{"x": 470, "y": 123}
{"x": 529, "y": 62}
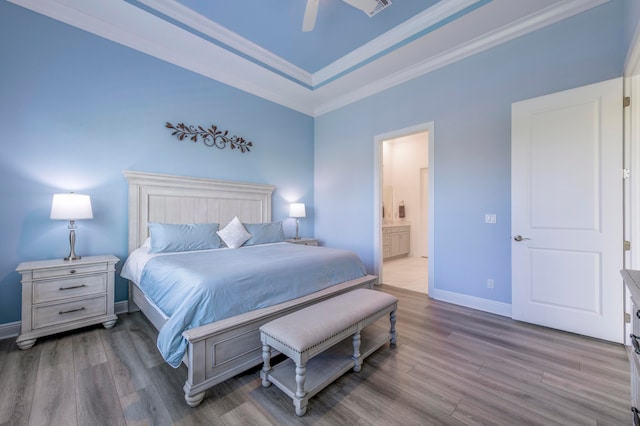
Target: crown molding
{"x": 188, "y": 17}
{"x": 543, "y": 18}
{"x": 428, "y": 18}
{"x": 128, "y": 25}
{"x": 131, "y": 26}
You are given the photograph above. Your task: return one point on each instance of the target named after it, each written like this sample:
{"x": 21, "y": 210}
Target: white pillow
{"x": 234, "y": 234}
{"x": 146, "y": 244}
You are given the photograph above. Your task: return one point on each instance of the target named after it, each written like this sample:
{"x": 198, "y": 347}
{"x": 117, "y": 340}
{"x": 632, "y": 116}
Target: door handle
{"x": 520, "y": 238}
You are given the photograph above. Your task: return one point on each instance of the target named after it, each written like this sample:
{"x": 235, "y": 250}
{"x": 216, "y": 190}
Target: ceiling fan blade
{"x": 367, "y": 6}
{"x": 310, "y": 13}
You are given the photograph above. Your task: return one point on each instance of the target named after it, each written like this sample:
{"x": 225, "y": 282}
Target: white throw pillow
{"x": 234, "y": 234}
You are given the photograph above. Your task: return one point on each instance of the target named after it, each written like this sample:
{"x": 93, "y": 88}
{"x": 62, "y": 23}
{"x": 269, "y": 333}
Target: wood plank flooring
{"x": 451, "y": 366}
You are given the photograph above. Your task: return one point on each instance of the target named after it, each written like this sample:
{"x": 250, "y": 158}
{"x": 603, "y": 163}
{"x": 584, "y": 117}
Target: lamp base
{"x": 72, "y": 243}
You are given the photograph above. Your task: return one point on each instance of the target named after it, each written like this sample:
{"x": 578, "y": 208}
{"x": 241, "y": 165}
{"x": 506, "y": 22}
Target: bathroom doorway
{"x": 403, "y": 225}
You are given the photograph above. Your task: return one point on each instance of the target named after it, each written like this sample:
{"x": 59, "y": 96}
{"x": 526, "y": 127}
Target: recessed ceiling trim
{"x": 545, "y": 17}
{"x": 128, "y": 25}
{"x": 192, "y": 19}
{"x": 131, "y": 26}
{"x": 430, "y": 17}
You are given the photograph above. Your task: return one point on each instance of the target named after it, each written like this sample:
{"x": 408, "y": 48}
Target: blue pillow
{"x": 263, "y": 233}
{"x": 168, "y": 237}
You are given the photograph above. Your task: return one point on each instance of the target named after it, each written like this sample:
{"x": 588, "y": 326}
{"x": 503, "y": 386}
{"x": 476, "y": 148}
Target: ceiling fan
{"x": 370, "y": 7}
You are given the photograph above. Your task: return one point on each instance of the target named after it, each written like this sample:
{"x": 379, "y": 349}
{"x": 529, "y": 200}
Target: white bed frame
{"x": 225, "y": 348}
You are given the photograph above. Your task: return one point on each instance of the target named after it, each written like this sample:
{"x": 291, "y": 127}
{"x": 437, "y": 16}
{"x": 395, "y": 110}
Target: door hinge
{"x": 627, "y": 318}
{"x": 626, "y": 101}
{"x": 627, "y": 245}
{"x": 626, "y": 174}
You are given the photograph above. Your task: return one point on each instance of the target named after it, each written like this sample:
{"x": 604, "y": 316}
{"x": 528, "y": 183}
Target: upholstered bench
{"x": 331, "y": 332}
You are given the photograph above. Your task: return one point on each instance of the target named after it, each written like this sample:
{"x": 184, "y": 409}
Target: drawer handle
{"x": 72, "y": 287}
{"x": 634, "y": 342}
{"x": 636, "y": 416}
{"x": 69, "y": 311}
{"x": 73, "y": 271}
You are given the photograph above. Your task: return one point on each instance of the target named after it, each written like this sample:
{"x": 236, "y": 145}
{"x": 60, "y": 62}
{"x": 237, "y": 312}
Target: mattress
{"x": 200, "y": 287}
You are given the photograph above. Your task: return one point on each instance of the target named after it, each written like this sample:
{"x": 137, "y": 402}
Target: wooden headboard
{"x": 164, "y": 198}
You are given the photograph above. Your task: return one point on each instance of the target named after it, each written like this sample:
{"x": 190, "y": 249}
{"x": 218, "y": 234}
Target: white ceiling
{"x": 265, "y": 52}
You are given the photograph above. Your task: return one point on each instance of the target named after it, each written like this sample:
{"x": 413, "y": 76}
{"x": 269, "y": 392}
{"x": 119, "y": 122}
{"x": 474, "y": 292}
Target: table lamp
{"x": 297, "y": 210}
{"x": 71, "y": 207}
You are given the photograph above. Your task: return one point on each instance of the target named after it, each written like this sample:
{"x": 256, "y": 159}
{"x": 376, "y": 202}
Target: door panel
{"x": 567, "y": 206}
{"x": 550, "y": 269}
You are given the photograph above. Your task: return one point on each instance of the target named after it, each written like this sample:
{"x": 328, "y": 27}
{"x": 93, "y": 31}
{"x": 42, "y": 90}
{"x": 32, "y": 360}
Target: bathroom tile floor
{"x": 410, "y": 273}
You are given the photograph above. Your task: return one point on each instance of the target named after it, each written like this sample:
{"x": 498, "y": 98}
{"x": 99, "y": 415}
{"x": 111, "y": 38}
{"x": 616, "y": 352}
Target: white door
{"x": 566, "y": 166}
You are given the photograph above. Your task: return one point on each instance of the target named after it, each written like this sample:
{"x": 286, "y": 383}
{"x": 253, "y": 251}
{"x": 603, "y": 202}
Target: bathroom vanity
{"x": 395, "y": 240}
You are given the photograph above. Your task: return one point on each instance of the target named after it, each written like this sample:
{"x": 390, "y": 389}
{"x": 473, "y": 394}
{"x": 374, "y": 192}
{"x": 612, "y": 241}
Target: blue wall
{"x": 470, "y": 104}
{"x": 76, "y": 110}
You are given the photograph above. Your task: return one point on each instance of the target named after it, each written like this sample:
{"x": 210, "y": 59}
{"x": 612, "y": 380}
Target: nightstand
{"x": 60, "y": 295}
{"x": 304, "y": 241}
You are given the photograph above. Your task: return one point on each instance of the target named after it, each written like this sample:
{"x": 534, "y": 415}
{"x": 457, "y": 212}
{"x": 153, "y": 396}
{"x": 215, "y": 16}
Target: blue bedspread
{"x": 198, "y": 288}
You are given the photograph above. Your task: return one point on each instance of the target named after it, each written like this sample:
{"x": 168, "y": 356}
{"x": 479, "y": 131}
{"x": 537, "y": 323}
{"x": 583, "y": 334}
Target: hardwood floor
{"x": 451, "y": 366}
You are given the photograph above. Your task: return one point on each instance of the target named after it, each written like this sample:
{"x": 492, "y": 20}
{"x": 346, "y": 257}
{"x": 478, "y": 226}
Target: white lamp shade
{"x": 297, "y": 210}
{"x": 71, "y": 207}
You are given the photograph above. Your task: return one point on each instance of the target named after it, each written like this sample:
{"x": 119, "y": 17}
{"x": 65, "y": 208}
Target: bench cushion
{"x": 312, "y": 325}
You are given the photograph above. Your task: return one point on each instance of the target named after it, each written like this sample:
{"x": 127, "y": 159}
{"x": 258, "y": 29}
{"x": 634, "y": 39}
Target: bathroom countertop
{"x": 397, "y": 223}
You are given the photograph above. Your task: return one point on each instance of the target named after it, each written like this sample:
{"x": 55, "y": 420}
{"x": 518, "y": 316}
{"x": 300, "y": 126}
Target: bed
{"x": 224, "y": 348}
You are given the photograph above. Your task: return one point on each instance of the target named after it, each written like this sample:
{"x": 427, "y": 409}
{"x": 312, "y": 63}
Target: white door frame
{"x": 423, "y": 246}
{"x": 377, "y": 194}
{"x": 632, "y": 163}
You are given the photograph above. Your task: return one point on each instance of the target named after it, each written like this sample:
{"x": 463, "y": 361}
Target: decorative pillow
{"x": 146, "y": 244}
{"x": 234, "y": 234}
{"x": 169, "y": 237}
{"x": 263, "y": 233}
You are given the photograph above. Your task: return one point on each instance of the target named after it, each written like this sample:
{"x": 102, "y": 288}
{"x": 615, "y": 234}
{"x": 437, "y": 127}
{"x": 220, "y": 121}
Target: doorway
{"x": 403, "y": 206}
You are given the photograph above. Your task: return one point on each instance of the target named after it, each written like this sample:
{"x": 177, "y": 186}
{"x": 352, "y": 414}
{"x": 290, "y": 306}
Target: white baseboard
{"x": 12, "y": 329}
{"x": 121, "y": 307}
{"x": 485, "y": 305}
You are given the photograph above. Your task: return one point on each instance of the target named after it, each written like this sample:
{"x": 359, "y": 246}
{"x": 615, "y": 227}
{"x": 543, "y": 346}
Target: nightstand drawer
{"x": 69, "y": 271}
{"x": 46, "y": 316}
{"x": 46, "y": 291}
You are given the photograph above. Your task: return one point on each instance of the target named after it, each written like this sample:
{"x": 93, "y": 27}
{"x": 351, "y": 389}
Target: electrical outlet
{"x": 490, "y": 218}
{"x": 489, "y": 283}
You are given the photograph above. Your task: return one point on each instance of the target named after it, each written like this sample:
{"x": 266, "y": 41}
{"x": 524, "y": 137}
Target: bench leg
{"x": 357, "y": 366}
{"x": 301, "y": 406}
{"x": 392, "y": 330}
{"x": 300, "y": 401}
{"x": 266, "y": 368}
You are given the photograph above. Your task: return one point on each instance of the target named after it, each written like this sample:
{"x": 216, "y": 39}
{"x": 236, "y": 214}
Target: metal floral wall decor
{"x": 210, "y": 137}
